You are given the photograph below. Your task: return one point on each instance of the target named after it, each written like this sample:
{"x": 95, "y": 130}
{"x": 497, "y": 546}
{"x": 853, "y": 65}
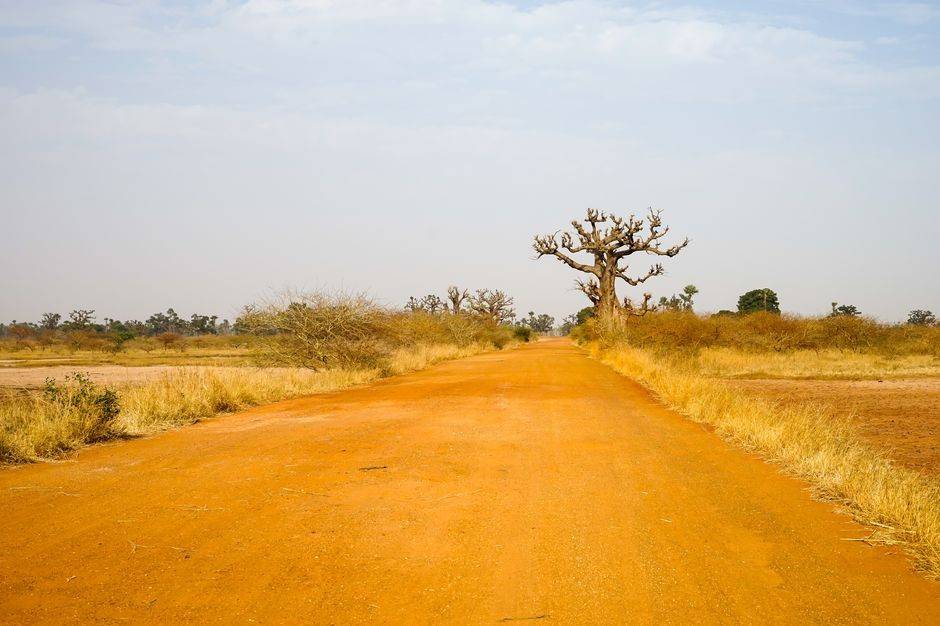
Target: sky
{"x": 201, "y": 156}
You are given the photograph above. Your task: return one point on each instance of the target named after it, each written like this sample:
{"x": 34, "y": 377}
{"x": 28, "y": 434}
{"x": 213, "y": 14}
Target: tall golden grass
{"x": 722, "y": 362}
{"x": 34, "y": 426}
{"x": 766, "y": 333}
{"x": 902, "y": 505}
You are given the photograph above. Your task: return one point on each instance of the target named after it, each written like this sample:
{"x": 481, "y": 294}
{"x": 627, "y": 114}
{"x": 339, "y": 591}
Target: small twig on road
{"x": 306, "y": 493}
{"x": 134, "y": 546}
{"x": 866, "y": 540}
{"x": 37, "y": 488}
{"x": 369, "y": 468}
{"x": 195, "y": 508}
{"x": 456, "y": 495}
{"x": 523, "y": 619}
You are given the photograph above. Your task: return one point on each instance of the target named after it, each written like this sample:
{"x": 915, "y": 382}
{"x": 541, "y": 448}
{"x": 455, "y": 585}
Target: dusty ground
{"x": 532, "y": 485}
{"x": 34, "y": 377}
{"x": 900, "y": 416}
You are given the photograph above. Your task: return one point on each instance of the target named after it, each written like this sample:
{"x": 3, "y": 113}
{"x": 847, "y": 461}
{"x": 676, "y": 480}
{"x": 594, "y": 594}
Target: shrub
{"x": 62, "y": 417}
{"x": 85, "y": 340}
{"x": 762, "y": 331}
{"x": 522, "y": 333}
{"x": 320, "y": 331}
{"x": 169, "y": 339}
{"x": 98, "y": 407}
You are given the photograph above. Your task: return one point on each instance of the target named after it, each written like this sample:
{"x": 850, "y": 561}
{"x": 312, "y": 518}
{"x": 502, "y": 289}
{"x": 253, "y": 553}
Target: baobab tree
{"x": 429, "y": 304}
{"x": 456, "y": 297}
{"x": 610, "y": 239}
{"x": 493, "y": 304}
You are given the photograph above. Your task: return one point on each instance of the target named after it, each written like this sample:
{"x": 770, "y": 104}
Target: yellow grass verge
{"x": 33, "y": 427}
{"x": 831, "y": 364}
{"x": 902, "y": 505}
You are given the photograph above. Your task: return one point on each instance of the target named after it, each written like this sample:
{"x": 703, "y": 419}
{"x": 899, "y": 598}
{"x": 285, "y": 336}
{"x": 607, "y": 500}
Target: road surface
{"x": 533, "y": 485}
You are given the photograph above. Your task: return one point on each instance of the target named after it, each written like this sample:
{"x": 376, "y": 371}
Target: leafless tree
{"x": 433, "y": 304}
{"x": 493, "y": 304}
{"x": 456, "y": 297}
{"x": 429, "y": 304}
{"x": 610, "y": 239}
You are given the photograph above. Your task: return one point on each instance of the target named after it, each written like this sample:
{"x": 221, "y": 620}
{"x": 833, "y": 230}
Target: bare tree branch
{"x": 493, "y": 304}
{"x": 609, "y": 239}
{"x": 456, "y": 297}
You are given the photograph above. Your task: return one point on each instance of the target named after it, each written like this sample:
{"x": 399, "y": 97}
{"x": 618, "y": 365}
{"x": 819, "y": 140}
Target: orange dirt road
{"x": 532, "y": 485}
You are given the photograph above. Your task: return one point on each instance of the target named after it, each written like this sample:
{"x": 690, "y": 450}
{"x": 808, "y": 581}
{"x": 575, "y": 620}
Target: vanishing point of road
{"x": 531, "y": 485}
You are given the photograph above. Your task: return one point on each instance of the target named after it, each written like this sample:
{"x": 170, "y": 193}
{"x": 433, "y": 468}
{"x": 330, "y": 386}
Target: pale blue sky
{"x": 201, "y": 155}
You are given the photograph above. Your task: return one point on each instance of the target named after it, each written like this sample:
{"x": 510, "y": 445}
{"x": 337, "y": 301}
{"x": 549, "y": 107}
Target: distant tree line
{"x": 84, "y": 321}
{"x": 753, "y": 301}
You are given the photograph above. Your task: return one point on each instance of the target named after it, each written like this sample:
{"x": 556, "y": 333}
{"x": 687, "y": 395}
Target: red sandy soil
{"x": 534, "y": 484}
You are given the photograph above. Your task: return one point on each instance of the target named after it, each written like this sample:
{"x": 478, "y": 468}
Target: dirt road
{"x": 532, "y": 485}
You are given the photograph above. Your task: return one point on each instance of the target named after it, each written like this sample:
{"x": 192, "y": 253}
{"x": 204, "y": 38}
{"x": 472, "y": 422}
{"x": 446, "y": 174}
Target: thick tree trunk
{"x": 608, "y": 304}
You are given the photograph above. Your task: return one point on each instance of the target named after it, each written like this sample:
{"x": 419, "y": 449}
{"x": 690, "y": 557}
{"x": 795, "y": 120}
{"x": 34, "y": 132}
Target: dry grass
{"x": 186, "y": 396}
{"x": 822, "y": 364}
{"x": 406, "y": 360}
{"x": 35, "y": 427}
{"x": 766, "y": 332}
{"x": 902, "y": 505}
{"x": 204, "y": 350}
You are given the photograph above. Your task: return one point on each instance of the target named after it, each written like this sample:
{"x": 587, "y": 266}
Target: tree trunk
{"x": 608, "y": 304}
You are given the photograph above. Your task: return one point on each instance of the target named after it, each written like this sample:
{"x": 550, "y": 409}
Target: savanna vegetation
{"x": 687, "y": 359}
{"x": 296, "y": 345}
{"x": 81, "y": 332}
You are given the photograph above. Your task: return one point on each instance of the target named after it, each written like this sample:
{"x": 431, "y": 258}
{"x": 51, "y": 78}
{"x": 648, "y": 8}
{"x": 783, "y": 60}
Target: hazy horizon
{"x": 201, "y": 156}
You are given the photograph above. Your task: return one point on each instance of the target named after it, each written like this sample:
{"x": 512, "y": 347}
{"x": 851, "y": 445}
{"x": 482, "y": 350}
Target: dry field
{"x": 34, "y": 377}
{"x": 890, "y": 401}
{"x": 224, "y": 350}
{"x": 899, "y": 416}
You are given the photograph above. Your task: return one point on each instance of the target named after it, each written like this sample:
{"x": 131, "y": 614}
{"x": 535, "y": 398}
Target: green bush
{"x": 98, "y": 407}
{"x": 522, "y": 333}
